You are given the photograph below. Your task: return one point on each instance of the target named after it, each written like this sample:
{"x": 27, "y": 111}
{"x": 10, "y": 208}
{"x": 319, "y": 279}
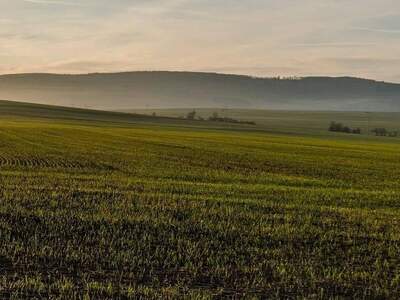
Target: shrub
{"x": 216, "y": 118}
{"x": 339, "y": 127}
{"x": 384, "y": 132}
{"x": 191, "y": 115}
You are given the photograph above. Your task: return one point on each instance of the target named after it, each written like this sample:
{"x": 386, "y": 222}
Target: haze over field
{"x": 260, "y": 38}
{"x": 124, "y": 91}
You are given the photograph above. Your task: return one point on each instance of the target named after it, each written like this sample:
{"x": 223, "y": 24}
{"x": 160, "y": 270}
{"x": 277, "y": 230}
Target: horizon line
{"x": 280, "y": 77}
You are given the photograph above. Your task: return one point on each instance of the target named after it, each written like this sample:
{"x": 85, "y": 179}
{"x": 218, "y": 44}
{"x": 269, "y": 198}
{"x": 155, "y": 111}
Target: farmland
{"x": 109, "y": 205}
{"x": 288, "y": 122}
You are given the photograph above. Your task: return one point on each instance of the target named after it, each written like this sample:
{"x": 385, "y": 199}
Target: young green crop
{"x": 118, "y": 210}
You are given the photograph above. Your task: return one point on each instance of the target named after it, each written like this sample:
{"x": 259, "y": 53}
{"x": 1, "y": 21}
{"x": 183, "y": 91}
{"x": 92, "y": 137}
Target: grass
{"x": 132, "y": 208}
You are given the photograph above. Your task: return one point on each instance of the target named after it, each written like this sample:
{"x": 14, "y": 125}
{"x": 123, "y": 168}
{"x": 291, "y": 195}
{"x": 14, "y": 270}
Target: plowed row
{"x": 93, "y": 211}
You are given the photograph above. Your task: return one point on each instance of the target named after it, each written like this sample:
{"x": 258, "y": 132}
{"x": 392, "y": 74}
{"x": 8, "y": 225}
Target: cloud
{"x": 89, "y": 66}
{"x": 54, "y": 2}
{"x": 378, "y": 30}
{"x": 365, "y": 62}
{"x": 257, "y": 37}
{"x": 6, "y": 21}
{"x": 333, "y": 45}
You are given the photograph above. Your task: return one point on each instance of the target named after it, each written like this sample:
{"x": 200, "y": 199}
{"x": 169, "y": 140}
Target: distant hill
{"x": 24, "y": 111}
{"x": 121, "y": 91}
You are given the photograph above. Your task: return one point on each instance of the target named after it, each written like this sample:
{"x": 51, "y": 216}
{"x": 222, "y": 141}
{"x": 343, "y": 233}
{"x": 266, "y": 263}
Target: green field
{"x": 106, "y": 205}
{"x": 301, "y": 122}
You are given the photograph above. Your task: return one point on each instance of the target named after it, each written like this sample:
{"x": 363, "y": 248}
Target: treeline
{"x": 216, "y": 118}
{"x": 339, "y": 127}
{"x": 384, "y": 132}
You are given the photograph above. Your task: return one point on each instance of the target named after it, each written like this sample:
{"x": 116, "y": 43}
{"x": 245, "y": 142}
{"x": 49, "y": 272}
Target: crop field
{"x": 145, "y": 208}
{"x": 300, "y": 122}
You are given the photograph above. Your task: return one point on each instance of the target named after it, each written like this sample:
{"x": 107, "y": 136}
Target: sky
{"x": 255, "y": 37}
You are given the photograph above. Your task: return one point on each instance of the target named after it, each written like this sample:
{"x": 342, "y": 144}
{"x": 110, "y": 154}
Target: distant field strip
{"x": 301, "y": 122}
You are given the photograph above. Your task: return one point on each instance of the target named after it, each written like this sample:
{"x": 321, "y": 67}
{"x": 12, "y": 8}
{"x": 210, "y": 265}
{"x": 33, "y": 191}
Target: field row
{"x": 160, "y": 212}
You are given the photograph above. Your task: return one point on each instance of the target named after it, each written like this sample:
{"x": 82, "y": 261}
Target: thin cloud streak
{"x": 55, "y": 2}
{"x": 391, "y": 31}
{"x": 334, "y": 45}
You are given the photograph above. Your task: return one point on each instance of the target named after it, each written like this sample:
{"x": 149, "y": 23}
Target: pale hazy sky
{"x": 257, "y": 37}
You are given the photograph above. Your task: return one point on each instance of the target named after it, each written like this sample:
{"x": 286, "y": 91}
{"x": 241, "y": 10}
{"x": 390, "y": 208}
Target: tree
{"x": 339, "y": 127}
{"x": 346, "y": 129}
{"x": 215, "y": 115}
{"x": 191, "y": 115}
{"x": 380, "y": 131}
{"x": 336, "y": 127}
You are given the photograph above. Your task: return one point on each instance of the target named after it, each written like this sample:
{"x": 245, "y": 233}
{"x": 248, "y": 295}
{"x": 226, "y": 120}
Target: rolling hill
{"x": 17, "y": 110}
{"x": 308, "y": 123}
{"x": 119, "y": 91}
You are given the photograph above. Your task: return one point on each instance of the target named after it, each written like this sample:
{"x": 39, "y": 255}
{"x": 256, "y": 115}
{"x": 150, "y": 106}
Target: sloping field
{"x": 91, "y": 209}
{"x": 29, "y": 110}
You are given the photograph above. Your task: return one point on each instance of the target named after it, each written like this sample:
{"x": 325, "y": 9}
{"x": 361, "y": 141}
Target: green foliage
{"x": 299, "y": 122}
{"x": 114, "y": 210}
{"x": 191, "y": 115}
{"x": 216, "y": 118}
{"x": 384, "y": 132}
{"x": 339, "y": 127}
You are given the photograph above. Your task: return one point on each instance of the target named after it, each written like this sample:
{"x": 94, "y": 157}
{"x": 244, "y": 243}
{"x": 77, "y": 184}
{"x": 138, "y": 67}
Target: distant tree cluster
{"x": 286, "y": 78}
{"x": 191, "y": 115}
{"x": 384, "y": 132}
{"x": 339, "y": 127}
{"x": 216, "y": 118}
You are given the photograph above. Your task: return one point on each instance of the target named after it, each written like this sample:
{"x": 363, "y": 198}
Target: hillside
{"x": 308, "y": 123}
{"x": 31, "y": 110}
{"x": 18, "y": 111}
{"x": 298, "y": 122}
{"x": 119, "y": 91}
